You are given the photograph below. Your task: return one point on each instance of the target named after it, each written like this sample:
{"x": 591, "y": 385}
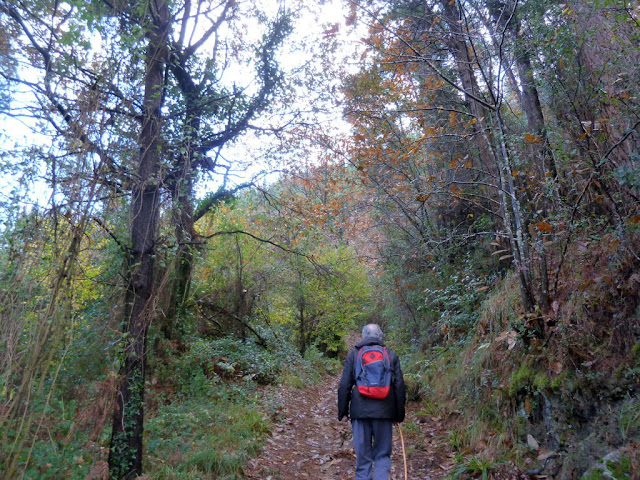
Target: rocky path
{"x": 310, "y": 443}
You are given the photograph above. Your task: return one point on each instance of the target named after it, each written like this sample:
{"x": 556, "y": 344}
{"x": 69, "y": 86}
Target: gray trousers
{"x": 372, "y": 441}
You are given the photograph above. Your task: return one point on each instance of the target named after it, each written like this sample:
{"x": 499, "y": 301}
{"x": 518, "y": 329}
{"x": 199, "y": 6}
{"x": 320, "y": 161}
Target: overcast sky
{"x": 310, "y": 34}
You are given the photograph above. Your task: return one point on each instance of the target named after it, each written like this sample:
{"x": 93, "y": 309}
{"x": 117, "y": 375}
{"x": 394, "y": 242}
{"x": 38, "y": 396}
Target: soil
{"x": 310, "y": 443}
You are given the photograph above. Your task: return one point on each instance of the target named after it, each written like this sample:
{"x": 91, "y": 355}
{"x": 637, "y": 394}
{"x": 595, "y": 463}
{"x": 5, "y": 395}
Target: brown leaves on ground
{"x": 310, "y": 443}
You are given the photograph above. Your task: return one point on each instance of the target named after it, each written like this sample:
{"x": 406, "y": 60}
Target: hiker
{"x": 372, "y": 418}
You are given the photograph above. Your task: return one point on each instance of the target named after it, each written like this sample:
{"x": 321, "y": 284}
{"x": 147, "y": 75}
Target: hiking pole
{"x": 404, "y": 454}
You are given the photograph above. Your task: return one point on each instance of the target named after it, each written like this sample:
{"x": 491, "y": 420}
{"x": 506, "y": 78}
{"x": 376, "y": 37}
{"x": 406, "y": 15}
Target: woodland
{"x": 203, "y": 201}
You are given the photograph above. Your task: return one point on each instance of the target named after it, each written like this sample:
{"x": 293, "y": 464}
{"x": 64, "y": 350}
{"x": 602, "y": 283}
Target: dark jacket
{"x": 391, "y": 408}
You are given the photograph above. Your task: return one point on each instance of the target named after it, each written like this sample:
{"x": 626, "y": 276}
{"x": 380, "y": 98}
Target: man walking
{"x": 371, "y": 418}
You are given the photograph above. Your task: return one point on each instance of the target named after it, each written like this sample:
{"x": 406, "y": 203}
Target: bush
{"x": 231, "y": 359}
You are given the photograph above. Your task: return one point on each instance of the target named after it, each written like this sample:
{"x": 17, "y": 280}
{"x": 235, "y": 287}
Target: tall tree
{"x": 146, "y": 91}
{"x": 415, "y": 45}
{"x": 445, "y": 67}
{"x": 125, "y": 452}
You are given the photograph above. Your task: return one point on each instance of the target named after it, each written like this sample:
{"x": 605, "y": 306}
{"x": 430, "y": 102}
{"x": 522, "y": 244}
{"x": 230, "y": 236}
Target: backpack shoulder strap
{"x": 357, "y": 362}
{"x": 387, "y": 356}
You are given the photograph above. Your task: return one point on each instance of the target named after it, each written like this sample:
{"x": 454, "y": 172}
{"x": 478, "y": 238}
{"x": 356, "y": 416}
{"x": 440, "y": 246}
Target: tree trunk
{"x": 464, "y": 61}
{"x": 303, "y": 332}
{"x": 182, "y": 193}
{"x": 240, "y": 306}
{"x": 533, "y": 110}
{"x": 181, "y": 188}
{"x": 513, "y": 217}
{"x": 125, "y": 454}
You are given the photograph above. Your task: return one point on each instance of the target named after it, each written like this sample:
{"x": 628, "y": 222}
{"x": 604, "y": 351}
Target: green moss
{"x": 541, "y": 382}
{"x": 620, "y": 470}
{"x": 563, "y": 382}
{"x": 594, "y": 475}
{"x": 635, "y": 350}
{"x": 520, "y": 379}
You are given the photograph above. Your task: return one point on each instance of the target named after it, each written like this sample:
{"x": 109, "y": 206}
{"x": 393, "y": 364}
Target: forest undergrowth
{"x": 556, "y": 404}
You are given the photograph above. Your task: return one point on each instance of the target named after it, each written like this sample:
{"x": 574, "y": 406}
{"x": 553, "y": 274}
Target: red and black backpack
{"x": 373, "y": 371}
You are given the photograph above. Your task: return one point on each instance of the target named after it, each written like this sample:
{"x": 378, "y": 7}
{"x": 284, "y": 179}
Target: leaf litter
{"x": 308, "y": 442}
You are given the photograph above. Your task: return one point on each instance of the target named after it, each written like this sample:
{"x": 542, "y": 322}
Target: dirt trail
{"x": 310, "y": 443}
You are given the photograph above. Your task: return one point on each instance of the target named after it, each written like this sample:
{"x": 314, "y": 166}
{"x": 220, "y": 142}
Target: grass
{"x": 205, "y": 436}
{"x": 456, "y": 440}
{"x": 629, "y": 419}
{"x": 478, "y": 380}
{"x": 475, "y": 466}
{"x": 218, "y": 420}
{"x": 199, "y": 424}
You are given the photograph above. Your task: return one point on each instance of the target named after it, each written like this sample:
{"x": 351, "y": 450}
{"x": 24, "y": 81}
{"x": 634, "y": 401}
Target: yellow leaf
{"x": 532, "y": 138}
{"x": 527, "y": 405}
{"x": 544, "y": 227}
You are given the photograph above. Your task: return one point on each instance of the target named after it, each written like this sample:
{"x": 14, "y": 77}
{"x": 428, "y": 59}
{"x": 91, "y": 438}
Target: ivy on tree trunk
{"x": 125, "y": 453}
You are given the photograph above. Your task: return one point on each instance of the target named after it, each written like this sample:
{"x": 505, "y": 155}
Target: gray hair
{"x": 372, "y": 330}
